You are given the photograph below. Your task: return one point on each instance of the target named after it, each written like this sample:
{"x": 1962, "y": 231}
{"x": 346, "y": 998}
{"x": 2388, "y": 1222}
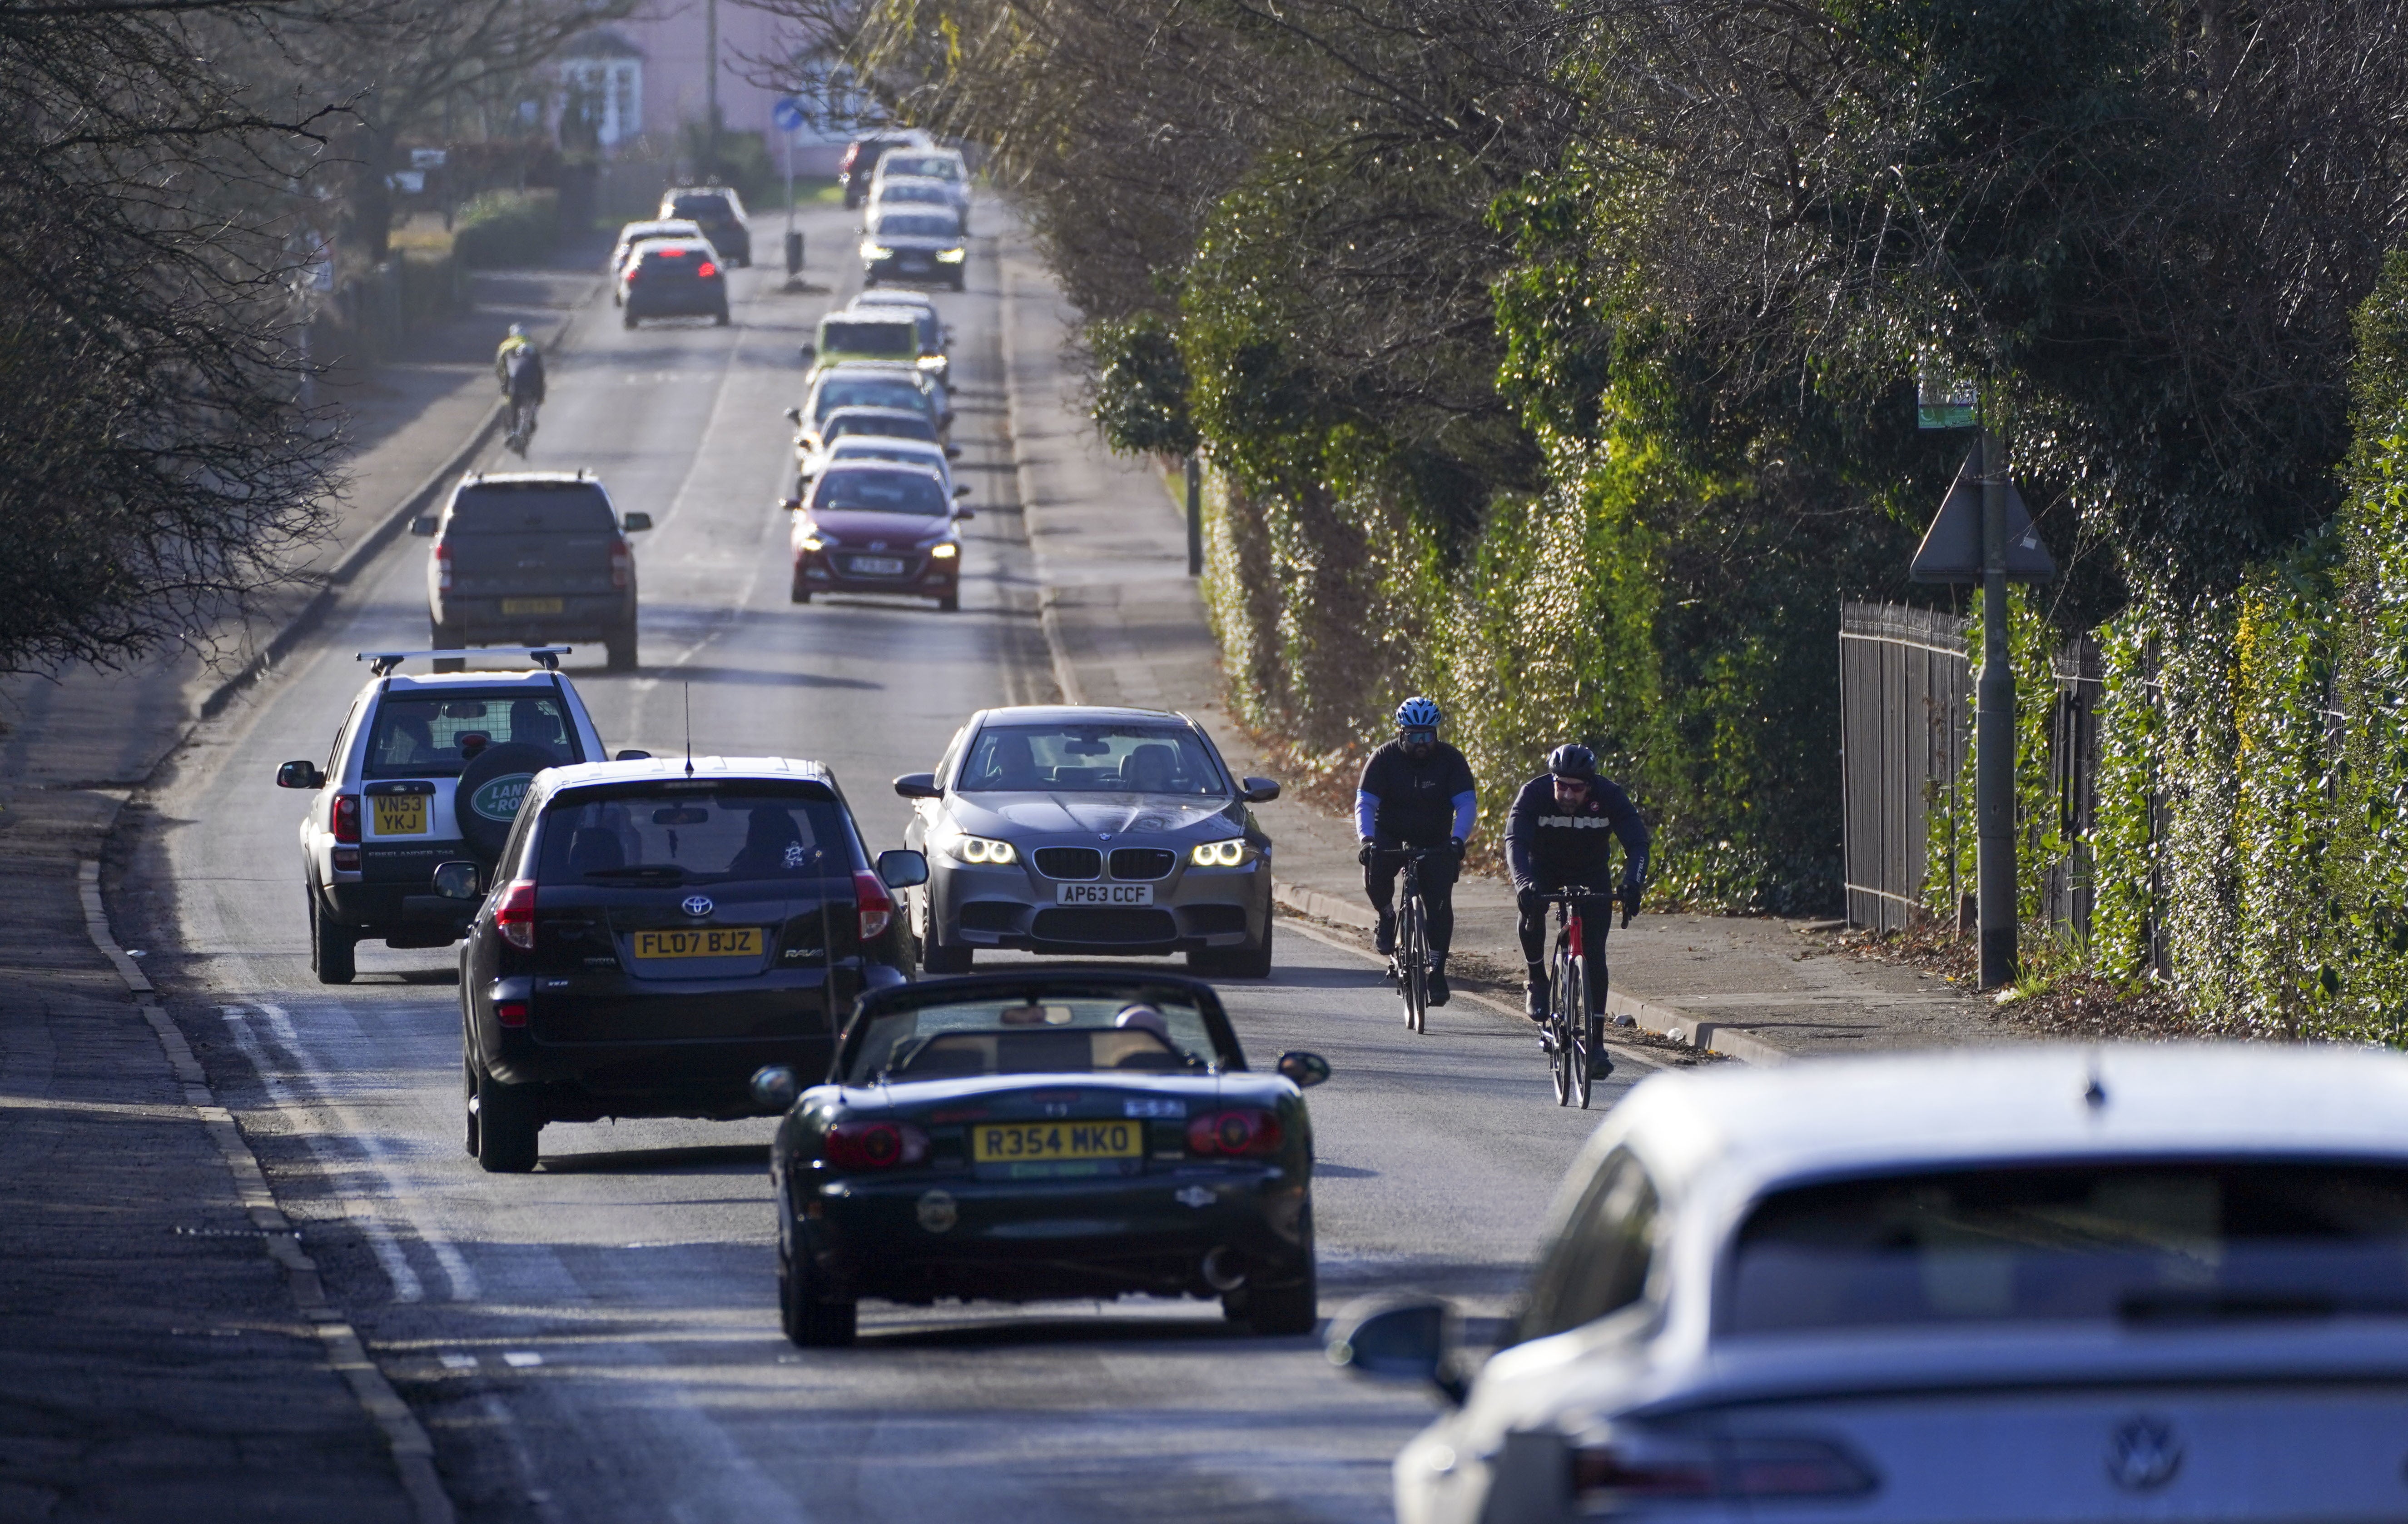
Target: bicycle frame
{"x": 1409, "y": 966}
{"x": 1575, "y": 1033}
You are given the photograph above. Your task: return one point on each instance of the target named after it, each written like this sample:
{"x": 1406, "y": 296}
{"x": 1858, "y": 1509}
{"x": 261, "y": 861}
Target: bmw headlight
{"x": 1227, "y": 854}
{"x": 813, "y": 542}
{"x": 951, "y": 256}
{"x": 980, "y": 849}
{"x": 875, "y": 251}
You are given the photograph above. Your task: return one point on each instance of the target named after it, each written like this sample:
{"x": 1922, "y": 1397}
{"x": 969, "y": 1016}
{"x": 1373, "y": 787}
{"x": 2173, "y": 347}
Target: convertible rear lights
{"x": 706, "y": 269}
{"x": 1745, "y": 1468}
{"x": 442, "y": 567}
{"x": 510, "y": 1013}
{"x": 876, "y": 907}
{"x": 623, "y": 566}
{"x": 347, "y": 817}
{"x": 874, "y": 1145}
{"x": 514, "y": 918}
{"x": 1233, "y": 1134}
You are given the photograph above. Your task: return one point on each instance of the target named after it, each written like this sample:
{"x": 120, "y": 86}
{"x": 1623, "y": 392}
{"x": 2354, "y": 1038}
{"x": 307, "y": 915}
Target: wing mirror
{"x": 902, "y": 868}
{"x": 457, "y": 880}
{"x": 302, "y": 774}
{"x": 1399, "y": 1339}
{"x": 1305, "y": 1069}
{"x": 631, "y": 755}
{"x": 961, "y": 492}
{"x": 774, "y": 1089}
{"x": 953, "y": 451}
{"x": 795, "y": 415}
{"x": 792, "y": 505}
{"x": 809, "y": 353}
{"x": 1259, "y": 791}
{"x": 635, "y": 522}
{"x": 964, "y": 514}
{"x": 918, "y": 785}
{"x": 423, "y": 525}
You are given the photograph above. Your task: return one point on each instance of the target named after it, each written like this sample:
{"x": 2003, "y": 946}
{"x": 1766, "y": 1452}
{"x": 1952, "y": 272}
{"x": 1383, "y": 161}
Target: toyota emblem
{"x": 2142, "y": 1455}
{"x": 697, "y": 904}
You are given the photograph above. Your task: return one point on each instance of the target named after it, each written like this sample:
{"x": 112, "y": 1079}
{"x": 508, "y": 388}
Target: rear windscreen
{"x": 883, "y": 338}
{"x": 653, "y": 834}
{"x": 2142, "y": 1242}
{"x": 701, "y": 208}
{"x": 434, "y": 736}
{"x": 569, "y": 508}
{"x": 880, "y": 492}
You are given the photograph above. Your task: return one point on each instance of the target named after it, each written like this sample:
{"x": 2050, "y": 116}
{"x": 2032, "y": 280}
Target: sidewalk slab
{"x": 1127, "y": 625}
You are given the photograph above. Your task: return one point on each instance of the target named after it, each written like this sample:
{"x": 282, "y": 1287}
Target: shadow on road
{"x": 716, "y": 1158}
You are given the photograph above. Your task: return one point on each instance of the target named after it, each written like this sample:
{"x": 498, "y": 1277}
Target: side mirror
{"x": 792, "y": 505}
{"x": 635, "y": 522}
{"x": 1397, "y": 1338}
{"x": 961, "y": 492}
{"x": 774, "y": 1089}
{"x": 1259, "y": 791}
{"x": 795, "y": 415}
{"x": 953, "y": 451}
{"x": 964, "y": 514}
{"x": 902, "y": 868}
{"x": 423, "y": 525}
{"x": 810, "y": 352}
{"x": 918, "y": 785}
{"x": 631, "y": 755}
{"x": 457, "y": 880}
{"x": 302, "y": 774}
{"x": 1305, "y": 1069}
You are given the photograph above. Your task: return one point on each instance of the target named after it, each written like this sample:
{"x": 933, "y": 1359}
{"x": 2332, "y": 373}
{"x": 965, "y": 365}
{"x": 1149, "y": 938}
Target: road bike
{"x": 1573, "y": 1034}
{"x": 522, "y": 431}
{"x": 1410, "y": 965}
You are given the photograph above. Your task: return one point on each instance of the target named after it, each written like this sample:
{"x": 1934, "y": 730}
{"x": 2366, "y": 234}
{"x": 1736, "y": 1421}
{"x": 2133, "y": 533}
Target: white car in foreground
{"x": 2025, "y": 1284}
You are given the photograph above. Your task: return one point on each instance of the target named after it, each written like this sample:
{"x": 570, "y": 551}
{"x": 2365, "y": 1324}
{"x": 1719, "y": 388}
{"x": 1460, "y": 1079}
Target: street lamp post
{"x": 1994, "y": 735}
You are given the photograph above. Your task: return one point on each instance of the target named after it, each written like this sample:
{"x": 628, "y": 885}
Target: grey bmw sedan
{"x": 1081, "y": 830}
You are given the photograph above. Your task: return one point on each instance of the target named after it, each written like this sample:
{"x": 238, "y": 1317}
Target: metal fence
{"x": 1906, "y": 705}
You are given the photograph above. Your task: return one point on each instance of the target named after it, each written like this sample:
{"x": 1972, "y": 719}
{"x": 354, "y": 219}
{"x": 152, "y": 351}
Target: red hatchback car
{"x": 878, "y": 526}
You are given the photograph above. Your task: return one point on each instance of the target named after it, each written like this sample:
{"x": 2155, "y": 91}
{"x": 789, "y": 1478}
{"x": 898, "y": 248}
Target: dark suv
{"x": 659, "y": 930}
{"x": 860, "y": 162}
{"x": 673, "y": 279}
{"x": 534, "y": 557}
{"x": 719, "y": 211}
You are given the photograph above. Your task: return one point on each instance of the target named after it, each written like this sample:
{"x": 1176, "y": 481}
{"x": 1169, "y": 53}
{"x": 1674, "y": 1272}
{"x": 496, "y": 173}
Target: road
{"x": 599, "y": 1340}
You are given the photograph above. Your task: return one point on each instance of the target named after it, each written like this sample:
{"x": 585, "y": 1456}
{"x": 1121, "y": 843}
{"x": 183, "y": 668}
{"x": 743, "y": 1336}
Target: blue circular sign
{"x": 787, "y": 113}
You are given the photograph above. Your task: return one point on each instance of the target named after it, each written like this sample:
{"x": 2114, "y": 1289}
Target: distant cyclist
{"x": 519, "y": 366}
{"x": 1416, "y": 791}
{"x": 1560, "y": 837}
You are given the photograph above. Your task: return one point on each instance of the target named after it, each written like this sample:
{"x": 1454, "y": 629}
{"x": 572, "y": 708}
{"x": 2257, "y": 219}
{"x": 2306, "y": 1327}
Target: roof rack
{"x": 381, "y": 663}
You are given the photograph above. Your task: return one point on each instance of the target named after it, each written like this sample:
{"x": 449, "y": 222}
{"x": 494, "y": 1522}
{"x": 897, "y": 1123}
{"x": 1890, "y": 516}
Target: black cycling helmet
{"x": 1573, "y": 760}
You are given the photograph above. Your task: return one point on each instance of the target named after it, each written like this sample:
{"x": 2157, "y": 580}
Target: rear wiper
{"x": 641, "y": 871}
{"x": 2222, "y": 1306}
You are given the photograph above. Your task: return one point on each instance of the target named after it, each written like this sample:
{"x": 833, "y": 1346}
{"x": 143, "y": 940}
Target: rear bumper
{"x": 684, "y": 302}
{"x": 583, "y": 616}
{"x": 1019, "y": 1241}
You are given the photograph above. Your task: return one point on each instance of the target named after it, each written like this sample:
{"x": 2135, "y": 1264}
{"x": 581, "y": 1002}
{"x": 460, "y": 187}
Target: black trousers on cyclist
{"x": 1596, "y": 918}
{"x": 1438, "y": 886}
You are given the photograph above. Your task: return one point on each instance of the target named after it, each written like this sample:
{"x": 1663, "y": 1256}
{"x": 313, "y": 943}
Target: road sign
{"x": 1952, "y": 548}
{"x": 1943, "y": 398}
{"x": 787, "y": 113}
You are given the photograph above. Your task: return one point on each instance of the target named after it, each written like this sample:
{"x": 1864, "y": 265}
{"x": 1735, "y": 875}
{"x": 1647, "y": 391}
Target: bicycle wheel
{"x": 1413, "y": 962}
{"x": 1595, "y": 1025}
{"x": 1559, "y": 1060}
{"x": 1575, "y": 1020}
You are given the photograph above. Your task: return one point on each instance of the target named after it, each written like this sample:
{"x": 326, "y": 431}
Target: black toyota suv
{"x": 657, "y": 930}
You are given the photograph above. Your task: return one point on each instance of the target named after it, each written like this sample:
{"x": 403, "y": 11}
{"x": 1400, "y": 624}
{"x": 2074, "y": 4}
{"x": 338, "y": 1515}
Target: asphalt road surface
{"x": 599, "y": 1340}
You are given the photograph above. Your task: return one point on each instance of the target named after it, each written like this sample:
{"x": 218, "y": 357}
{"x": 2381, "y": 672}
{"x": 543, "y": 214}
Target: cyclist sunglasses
{"x": 1422, "y": 737}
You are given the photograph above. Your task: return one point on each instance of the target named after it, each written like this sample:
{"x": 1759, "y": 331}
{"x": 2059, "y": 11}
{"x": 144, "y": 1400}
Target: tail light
{"x": 1640, "y": 1467}
{"x": 706, "y": 269}
{"x": 510, "y": 1013}
{"x": 874, "y": 1145}
{"x": 514, "y": 918}
{"x": 347, "y": 817}
{"x": 442, "y": 567}
{"x": 1234, "y": 1134}
{"x": 623, "y": 565}
{"x": 876, "y": 907}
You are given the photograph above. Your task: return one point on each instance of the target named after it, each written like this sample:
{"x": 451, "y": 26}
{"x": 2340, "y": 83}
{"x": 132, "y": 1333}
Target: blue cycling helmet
{"x": 1417, "y": 713}
{"x": 1572, "y": 761}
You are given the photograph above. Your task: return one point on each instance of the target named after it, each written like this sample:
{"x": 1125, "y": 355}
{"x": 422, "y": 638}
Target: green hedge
{"x": 500, "y": 229}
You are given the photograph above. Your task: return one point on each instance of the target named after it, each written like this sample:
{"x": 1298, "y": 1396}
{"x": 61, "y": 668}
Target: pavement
{"x": 1125, "y": 625}
{"x": 159, "y": 1364}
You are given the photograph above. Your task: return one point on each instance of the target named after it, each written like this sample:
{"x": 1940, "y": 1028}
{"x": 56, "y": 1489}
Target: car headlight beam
{"x": 876, "y": 251}
{"x": 980, "y": 849}
{"x": 1227, "y": 854}
{"x": 952, "y": 256}
{"x": 946, "y": 551}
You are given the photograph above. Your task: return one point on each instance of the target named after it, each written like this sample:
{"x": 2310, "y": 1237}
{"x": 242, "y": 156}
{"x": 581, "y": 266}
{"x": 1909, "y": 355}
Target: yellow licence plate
{"x": 703, "y": 941}
{"x": 1038, "y": 1142}
{"x": 400, "y": 814}
{"x": 531, "y": 605}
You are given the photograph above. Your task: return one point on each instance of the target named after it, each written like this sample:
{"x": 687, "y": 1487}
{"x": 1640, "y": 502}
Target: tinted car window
{"x": 531, "y": 507}
{"x": 892, "y": 340}
{"x": 1599, "y": 1265}
{"x": 703, "y": 208}
{"x": 922, "y": 165}
{"x": 868, "y": 392}
{"x": 901, "y": 428}
{"x": 1012, "y": 1036}
{"x": 912, "y": 225}
{"x": 434, "y": 736}
{"x": 1110, "y": 759}
{"x": 2142, "y": 1241}
{"x": 654, "y": 834}
{"x": 880, "y": 492}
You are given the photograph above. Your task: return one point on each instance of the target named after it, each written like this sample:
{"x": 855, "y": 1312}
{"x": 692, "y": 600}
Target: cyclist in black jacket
{"x": 1561, "y": 837}
{"x": 1416, "y": 791}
